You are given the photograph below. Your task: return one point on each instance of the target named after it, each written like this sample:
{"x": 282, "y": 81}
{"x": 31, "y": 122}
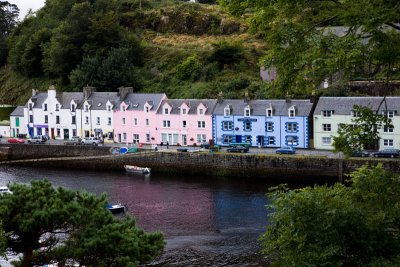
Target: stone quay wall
{"x": 35, "y": 151}
{"x": 270, "y": 167}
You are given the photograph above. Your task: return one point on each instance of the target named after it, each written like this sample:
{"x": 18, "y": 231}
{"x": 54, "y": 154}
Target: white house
{"x": 332, "y": 111}
{"x": 17, "y": 122}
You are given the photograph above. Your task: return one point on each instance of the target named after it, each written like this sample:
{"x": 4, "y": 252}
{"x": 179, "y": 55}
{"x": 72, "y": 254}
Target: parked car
{"x": 208, "y": 146}
{"x": 16, "y": 141}
{"x": 238, "y": 149}
{"x": 36, "y": 140}
{"x": 91, "y": 141}
{"x": 205, "y": 145}
{"x": 360, "y": 153}
{"x": 285, "y": 150}
{"x": 74, "y": 140}
{"x": 387, "y": 153}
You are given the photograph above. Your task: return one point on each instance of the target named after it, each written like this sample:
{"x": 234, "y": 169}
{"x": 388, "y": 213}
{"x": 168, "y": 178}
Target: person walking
{"x": 167, "y": 144}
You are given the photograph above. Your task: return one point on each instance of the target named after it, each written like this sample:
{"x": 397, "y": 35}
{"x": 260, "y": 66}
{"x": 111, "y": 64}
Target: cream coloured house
{"x": 330, "y": 112}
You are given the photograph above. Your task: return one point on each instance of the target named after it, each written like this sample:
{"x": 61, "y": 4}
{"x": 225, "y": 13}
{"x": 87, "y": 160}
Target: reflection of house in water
{"x": 240, "y": 211}
{"x": 168, "y": 208}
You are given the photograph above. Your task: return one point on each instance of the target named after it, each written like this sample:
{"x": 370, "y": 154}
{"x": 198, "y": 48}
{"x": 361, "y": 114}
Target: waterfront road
{"x": 253, "y": 150}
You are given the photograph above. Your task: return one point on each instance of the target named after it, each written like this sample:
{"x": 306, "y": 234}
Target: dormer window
{"x": 30, "y": 106}
{"x": 73, "y": 108}
{"x": 166, "y": 111}
{"x": 45, "y": 107}
{"x": 108, "y": 108}
{"x": 269, "y": 112}
{"x": 86, "y": 108}
{"x": 389, "y": 113}
{"x": 183, "y": 111}
{"x": 201, "y": 111}
{"x": 123, "y": 108}
{"x": 247, "y": 111}
{"x": 146, "y": 109}
{"x": 57, "y": 107}
{"x": 356, "y": 114}
{"x": 327, "y": 113}
{"x": 292, "y": 112}
{"x": 227, "y": 111}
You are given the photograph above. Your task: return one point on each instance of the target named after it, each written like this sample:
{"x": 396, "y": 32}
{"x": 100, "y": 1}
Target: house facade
{"x": 135, "y": 119}
{"x": 17, "y": 122}
{"x": 185, "y": 122}
{"x": 330, "y": 112}
{"x": 264, "y": 123}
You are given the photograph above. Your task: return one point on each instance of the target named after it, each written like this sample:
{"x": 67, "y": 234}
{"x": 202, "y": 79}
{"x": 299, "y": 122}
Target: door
{"x": 260, "y": 140}
{"x": 66, "y": 133}
{"x": 238, "y": 139}
{"x": 119, "y": 138}
{"x": 184, "y": 140}
{"x": 17, "y": 122}
{"x": 52, "y": 133}
{"x": 13, "y": 133}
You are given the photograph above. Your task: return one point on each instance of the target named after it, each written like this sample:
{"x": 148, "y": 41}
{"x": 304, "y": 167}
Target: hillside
{"x": 187, "y": 50}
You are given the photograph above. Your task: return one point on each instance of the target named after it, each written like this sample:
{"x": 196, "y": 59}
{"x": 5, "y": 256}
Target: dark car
{"x": 387, "y": 153}
{"x": 285, "y": 150}
{"x": 360, "y": 153}
{"x": 205, "y": 145}
{"x": 238, "y": 149}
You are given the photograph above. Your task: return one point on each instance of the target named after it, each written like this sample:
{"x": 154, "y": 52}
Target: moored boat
{"x": 5, "y": 190}
{"x": 116, "y": 208}
{"x": 136, "y": 169}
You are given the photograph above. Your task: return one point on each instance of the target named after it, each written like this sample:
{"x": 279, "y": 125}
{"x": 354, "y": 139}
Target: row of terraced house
{"x": 127, "y": 117}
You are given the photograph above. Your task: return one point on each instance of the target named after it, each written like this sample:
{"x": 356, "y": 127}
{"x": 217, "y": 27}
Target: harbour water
{"x": 204, "y": 220}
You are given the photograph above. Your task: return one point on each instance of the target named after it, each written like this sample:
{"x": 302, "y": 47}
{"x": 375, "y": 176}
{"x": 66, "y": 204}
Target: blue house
{"x": 266, "y": 123}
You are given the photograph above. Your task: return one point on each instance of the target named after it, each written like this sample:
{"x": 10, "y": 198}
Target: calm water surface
{"x": 190, "y": 211}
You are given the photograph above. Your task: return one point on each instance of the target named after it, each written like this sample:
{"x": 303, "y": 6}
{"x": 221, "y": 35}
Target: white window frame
{"x": 166, "y": 124}
{"x": 327, "y": 113}
{"x": 326, "y": 140}
{"x": 292, "y": 112}
{"x": 326, "y": 127}
{"x": 201, "y": 124}
{"x": 388, "y": 142}
{"x": 269, "y": 112}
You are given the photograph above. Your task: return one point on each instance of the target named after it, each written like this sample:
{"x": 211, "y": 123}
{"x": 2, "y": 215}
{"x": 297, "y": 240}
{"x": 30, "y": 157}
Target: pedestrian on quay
{"x": 155, "y": 147}
{"x": 167, "y": 144}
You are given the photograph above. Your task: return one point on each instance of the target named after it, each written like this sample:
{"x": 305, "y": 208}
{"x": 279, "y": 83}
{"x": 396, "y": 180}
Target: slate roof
{"x": 344, "y": 105}
{"x": 67, "y": 97}
{"x": 258, "y": 107}
{"x": 191, "y": 103}
{"x": 18, "y": 111}
{"x": 98, "y": 100}
{"x": 136, "y": 101}
{"x": 38, "y": 99}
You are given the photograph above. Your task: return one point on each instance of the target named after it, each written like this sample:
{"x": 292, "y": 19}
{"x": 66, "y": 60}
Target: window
{"x": 327, "y": 113}
{"x": 247, "y": 112}
{"x": 269, "y": 126}
{"x": 73, "y": 108}
{"x": 292, "y": 140}
{"x": 201, "y": 111}
{"x": 73, "y": 132}
{"x": 184, "y": 111}
{"x": 227, "y": 111}
{"x": 135, "y": 121}
{"x": 147, "y": 138}
{"x": 108, "y": 108}
{"x": 166, "y": 111}
{"x": 46, "y": 119}
{"x": 87, "y": 120}
{"x": 247, "y": 126}
{"x": 31, "y": 118}
{"x": 388, "y": 129}
{"x": 226, "y": 139}
{"x": 86, "y": 108}
{"x": 57, "y": 119}
{"x": 146, "y": 109}
{"x": 183, "y": 124}
{"x": 57, "y": 107}
{"x": 147, "y": 122}
{"x": 271, "y": 140}
{"x": 73, "y": 120}
{"x": 389, "y": 114}
{"x": 326, "y": 127}
{"x": 123, "y": 121}
{"x": 291, "y": 127}
{"x": 109, "y": 120}
{"x": 247, "y": 138}
{"x": 201, "y": 138}
{"x": 98, "y": 121}
{"x": 201, "y": 124}
{"x": 123, "y": 108}
{"x": 326, "y": 140}
{"x": 292, "y": 112}
{"x": 135, "y": 138}
{"x": 388, "y": 142}
{"x": 30, "y": 106}
{"x": 355, "y": 113}
{"x": 269, "y": 112}
{"x": 45, "y": 107}
{"x": 124, "y": 136}
{"x": 227, "y": 125}
{"x": 58, "y": 132}
{"x": 166, "y": 124}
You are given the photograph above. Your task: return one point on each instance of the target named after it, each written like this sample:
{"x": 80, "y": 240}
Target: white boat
{"x": 136, "y": 169}
{"x": 116, "y": 208}
{"x": 5, "y": 190}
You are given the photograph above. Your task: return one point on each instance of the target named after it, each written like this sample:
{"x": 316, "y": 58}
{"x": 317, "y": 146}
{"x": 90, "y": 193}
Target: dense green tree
{"x": 189, "y": 68}
{"x": 8, "y": 19}
{"x": 356, "y": 225}
{"x": 46, "y": 223}
{"x": 227, "y": 53}
{"x": 310, "y": 41}
{"x": 362, "y": 132}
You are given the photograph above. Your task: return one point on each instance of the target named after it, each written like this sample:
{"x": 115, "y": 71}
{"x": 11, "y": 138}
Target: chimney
{"x": 87, "y": 91}
{"x": 287, "y": 98}
{"x": 246, "y": 96}
{"x": 220, "y": 99}
{"x": 34, "y": 92}
{"x": 124, "y": 91}
{"x": 51, "y": 92}
{"x": 313, "y": 97}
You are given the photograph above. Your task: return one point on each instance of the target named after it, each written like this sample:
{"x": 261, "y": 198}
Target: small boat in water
{"x": 136, "y": 169}
{"x": 5, "y": 190}
{"x": 116, "y": 208}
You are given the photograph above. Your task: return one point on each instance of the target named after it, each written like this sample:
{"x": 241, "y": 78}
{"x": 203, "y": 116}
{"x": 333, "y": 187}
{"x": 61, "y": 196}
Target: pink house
{"x": 135, "y": 119}
{"x": 185, "y": 121}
